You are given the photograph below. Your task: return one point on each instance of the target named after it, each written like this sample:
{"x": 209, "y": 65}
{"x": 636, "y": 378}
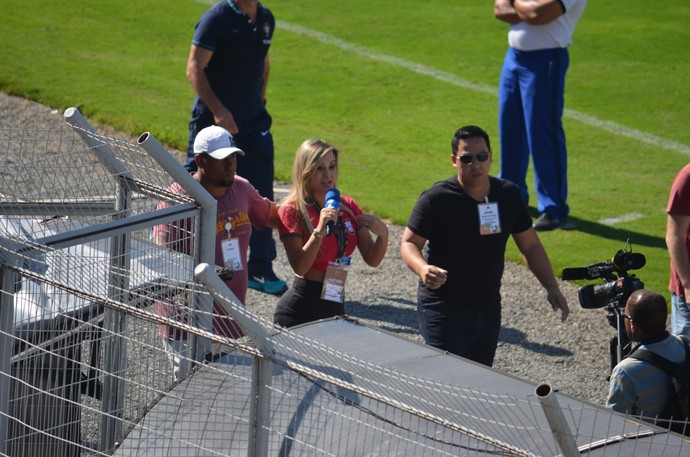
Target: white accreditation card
{"x": 232, "y": 257}
{"x": 489, "y": 219}
{"x": 334, "y": 281}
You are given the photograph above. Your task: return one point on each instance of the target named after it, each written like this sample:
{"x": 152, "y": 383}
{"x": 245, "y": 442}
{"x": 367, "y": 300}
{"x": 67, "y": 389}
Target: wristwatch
{"x": 316, "y": 234}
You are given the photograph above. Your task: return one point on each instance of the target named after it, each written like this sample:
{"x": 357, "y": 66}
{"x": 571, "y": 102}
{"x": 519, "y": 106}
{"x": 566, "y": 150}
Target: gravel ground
{"x": 534, "y": 345}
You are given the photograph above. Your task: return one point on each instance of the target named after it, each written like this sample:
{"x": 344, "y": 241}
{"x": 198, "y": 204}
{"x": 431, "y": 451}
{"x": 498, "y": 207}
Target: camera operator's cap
{"x": 216, "y": 142}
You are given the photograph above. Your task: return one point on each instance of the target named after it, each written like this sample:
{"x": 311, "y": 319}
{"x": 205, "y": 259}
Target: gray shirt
{"x": 638, "y": 387}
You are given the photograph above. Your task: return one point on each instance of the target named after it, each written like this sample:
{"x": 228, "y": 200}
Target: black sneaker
{"x": 546, "y": 222}
{"x": 268, "y": 283}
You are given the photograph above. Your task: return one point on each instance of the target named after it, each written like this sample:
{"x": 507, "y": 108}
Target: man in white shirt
{"x": 530, "y": 100}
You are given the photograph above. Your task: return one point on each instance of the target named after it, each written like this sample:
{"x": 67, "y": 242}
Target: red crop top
{"x": 291, "y": 224}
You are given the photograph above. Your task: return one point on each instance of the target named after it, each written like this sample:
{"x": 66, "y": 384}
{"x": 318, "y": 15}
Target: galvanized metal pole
{"x": 7, "y": 286}
{"x": 559, "y": 427}
{"x": 206, "y": 238}
{"x": 115, "y": 322}
{"x": 262, "y": 368}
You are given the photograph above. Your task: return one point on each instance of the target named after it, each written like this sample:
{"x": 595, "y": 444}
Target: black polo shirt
{"x": 239, "y": 47}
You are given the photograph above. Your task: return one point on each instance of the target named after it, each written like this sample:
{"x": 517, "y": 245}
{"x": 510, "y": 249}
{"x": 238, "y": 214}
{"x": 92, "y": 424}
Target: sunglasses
{"x": 469, "y": 158}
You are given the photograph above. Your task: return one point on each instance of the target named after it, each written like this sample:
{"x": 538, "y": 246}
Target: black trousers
{"x": 302, "y": 303}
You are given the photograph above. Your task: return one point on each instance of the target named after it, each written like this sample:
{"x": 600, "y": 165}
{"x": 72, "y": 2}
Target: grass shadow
{"x": 575, "y": 223}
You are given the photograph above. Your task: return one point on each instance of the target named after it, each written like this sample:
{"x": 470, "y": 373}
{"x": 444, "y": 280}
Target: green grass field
{"x": 388, "y": 82}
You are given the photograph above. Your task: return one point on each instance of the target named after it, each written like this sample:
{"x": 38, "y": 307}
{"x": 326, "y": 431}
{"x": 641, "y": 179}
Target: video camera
{"x": 613, "y": 294}
{"x": 619, "y": 284}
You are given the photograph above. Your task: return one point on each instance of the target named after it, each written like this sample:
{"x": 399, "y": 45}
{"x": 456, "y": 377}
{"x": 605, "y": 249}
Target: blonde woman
{"x": 320, "y": 260}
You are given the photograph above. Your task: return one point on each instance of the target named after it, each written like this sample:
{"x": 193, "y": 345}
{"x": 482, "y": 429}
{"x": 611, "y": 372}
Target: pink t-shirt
{"x": 242, "y": 207}
{"x": 291, "y": 225}
{"x": 679, "y": 203}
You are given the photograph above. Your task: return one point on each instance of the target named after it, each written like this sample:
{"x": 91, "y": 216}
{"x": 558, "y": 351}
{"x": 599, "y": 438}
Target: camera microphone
{"x": 570, "y": 274}
{"x": 594, "y": 271}
{"x": 332, "y": 201}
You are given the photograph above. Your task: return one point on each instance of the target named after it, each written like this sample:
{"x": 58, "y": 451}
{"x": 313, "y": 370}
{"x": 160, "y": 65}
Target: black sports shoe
{"x": 546, "y": 222}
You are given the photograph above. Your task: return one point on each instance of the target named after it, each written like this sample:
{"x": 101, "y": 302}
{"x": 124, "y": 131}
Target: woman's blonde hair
{"x": 307, "y": 160}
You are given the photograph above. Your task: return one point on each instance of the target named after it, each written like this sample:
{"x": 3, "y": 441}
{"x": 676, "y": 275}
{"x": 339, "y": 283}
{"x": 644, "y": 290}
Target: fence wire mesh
{"x": 85, "y": 359}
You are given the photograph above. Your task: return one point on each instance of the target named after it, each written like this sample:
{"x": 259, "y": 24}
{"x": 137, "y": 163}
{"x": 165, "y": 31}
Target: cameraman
{"x": 638, "y": 387}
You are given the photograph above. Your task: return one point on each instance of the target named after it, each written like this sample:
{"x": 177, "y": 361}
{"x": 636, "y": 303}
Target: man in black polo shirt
{"x": 467, "y": 220}
{"x": 228, "y": 68}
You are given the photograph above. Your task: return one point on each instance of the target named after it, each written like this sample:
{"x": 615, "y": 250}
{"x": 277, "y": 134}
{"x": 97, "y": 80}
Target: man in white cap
{"x": 239, "y": 208}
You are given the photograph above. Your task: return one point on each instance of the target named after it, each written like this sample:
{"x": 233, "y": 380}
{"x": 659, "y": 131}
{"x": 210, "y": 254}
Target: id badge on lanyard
{"x": 334, "y": 281}
{"x": 232, "y": 257}
{"x": 489, "y": 218}
{"x": 336, "y": 272}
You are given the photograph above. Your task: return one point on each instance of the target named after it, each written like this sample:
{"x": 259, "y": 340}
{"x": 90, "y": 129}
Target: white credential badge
{"x": 232, "y": 257}
{"x": 230, "y": 248}
{"x": 489, "y": 219}
{"x": 334, "y": 281}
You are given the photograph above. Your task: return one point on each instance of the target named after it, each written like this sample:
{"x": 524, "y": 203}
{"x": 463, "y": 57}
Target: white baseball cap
{"x": 216, "y": 142}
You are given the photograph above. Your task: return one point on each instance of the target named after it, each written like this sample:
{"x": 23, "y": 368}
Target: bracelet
{"x": 316, "y": 234}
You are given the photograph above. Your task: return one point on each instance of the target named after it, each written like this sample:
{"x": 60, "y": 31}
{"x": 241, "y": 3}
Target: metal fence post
{"x": 262, "y": 368}
{"x": 260, "y": 407}
{"x": 207, "y": 228}
{"x": 559, "y": 427}
{"x": 7, "y": 286}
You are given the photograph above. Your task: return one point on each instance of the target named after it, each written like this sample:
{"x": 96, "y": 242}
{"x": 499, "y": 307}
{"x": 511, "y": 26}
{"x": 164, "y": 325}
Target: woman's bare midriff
{"x": 315, "y": 275}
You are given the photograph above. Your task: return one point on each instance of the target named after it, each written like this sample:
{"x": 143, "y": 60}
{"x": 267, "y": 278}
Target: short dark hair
{"x": 648, "y": 311}
{"x": 468, "y": 131}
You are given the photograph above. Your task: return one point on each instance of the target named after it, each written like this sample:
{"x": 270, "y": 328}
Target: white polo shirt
{"x": 556, "y": 34}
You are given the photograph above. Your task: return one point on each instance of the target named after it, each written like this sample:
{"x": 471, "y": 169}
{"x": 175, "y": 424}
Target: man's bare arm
{"x": 538, "y": 262}
{"x": 267, "y": 68}
{"x": 504, "y": 11}
{"x": 196, "y": 66}
{"x": 676, "y": 228}
{"x": 538, "y": 12}
{"x": 411, "y": 247}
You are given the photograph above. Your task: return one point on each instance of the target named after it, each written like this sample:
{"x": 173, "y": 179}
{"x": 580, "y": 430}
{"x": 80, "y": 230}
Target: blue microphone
{"x": 332, "y": 201}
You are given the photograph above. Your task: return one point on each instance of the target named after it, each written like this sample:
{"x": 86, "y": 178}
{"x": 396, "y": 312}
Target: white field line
{"x": 440, "y": 75}
{"x": 444, "y": 76}
{"x": 622, "y": 218}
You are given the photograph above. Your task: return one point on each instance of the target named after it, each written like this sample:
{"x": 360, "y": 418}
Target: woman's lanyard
{"x": 333, "y": 288}
{"x": 338, "y": 232}
{"x": 340, "y": 237}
